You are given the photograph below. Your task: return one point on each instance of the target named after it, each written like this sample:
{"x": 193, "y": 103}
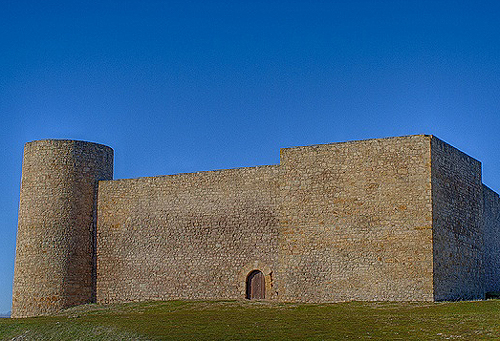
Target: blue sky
{"x": 183, "y": 86}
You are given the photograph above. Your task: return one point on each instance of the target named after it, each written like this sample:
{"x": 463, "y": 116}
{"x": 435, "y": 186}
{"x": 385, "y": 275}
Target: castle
{"x": 394, "y": 219}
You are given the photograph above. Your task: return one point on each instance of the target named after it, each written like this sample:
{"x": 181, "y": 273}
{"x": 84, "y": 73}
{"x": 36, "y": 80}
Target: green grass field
{"x": 201, "y": 320}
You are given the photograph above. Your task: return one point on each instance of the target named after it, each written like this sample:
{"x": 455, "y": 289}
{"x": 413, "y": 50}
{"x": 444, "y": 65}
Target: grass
{"x": 256, "y": 320}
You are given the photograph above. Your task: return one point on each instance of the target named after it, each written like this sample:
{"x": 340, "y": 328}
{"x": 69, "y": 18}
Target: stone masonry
{"x": 54, "y": 254}
{"x": 394, "y": 219}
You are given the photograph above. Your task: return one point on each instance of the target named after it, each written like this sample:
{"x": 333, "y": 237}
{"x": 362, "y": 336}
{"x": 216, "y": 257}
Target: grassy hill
{"x": 240, "y": 320}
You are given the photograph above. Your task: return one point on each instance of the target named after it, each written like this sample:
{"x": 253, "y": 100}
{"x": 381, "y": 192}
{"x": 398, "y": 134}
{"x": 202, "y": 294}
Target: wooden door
{"x": 256, "y": 285}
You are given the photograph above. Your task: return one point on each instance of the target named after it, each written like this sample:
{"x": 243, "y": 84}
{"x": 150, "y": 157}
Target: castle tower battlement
{"x": 54, "y": 266}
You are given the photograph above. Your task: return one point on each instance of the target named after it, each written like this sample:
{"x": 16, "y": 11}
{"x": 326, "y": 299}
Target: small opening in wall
{"x": 256, "y": 285}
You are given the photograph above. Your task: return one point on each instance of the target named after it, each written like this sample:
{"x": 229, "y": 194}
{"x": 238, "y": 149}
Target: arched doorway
{"x": 256, "y": 285}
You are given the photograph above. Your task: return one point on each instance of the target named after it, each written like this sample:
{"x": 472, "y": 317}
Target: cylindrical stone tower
{"x": 55, "y": 258}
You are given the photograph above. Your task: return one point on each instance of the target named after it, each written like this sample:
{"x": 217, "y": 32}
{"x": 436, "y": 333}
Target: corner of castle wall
{"x": 491, "y": 222}
{"x": 457, "y": 223}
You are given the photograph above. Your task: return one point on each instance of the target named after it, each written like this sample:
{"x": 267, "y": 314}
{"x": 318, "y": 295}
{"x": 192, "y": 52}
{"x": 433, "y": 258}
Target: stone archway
{"x": 256, "y": 285}
{"x": 270, "y": 291}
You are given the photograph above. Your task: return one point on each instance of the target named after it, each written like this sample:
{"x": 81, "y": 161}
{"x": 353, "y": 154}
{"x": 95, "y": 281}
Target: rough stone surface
{"x": 193, "y": 236}
{"x": 457, "y": 221}
{"x": 491, "y": 240}
{"x": 54, "y": 255}
{"x": 403, "y": 218}
{"x": 356, "y": 221}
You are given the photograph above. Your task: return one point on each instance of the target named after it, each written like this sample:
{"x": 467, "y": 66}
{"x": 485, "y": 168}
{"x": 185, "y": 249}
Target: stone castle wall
{"x": 457, "y": 203}
{"x": 53, "y": 268}
{"x": 187, "y": 236}
{"x": 399, "y": 219}
{"x": 491, "y": 240}
{"x": 356, "y": 221}
{"x": 331, "y": 222}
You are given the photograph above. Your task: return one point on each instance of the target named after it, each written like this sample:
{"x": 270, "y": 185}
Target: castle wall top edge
{"x": 263, "y": 166}
{"x": 464, "y": 154}
{"x": 361, "y": 141}
{"x": 200, "y": 173}
{"x": 487, "y": 188}
{"x": 83, "y": 142}
{"x": 66, "y": 141}
{"x": 429, "y": 136}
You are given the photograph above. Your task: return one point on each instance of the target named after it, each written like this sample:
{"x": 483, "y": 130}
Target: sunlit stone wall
{"x": 187, "y": 236}
{"x": 398, "y": 219}
{"x": 54, "y": 254}
{"x": 357, "y": 221}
